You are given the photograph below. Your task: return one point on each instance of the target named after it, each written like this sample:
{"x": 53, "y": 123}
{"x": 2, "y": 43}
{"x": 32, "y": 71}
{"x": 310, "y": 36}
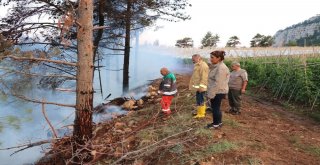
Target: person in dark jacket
{"x": 167, "y": 90}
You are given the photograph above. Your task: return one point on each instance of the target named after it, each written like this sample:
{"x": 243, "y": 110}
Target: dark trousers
{"x": 200, "y": 98}
{"x": 215, "y": 106}
{"x": 234, "y": 97}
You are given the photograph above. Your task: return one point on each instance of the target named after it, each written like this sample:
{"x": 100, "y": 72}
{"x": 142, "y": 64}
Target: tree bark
{"x": 125, "y": 87}
{"x": 84, "y": 103}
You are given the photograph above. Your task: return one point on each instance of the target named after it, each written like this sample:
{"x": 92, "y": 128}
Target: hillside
{"x": 304, "y": 33}
{"x": 265, "y": 133}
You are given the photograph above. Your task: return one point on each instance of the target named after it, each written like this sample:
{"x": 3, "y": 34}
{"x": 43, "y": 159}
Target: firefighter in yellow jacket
{"x": 198, "y": 83}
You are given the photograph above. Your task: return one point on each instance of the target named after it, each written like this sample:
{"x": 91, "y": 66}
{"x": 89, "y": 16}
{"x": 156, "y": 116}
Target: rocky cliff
{"x": 304, "y": 33}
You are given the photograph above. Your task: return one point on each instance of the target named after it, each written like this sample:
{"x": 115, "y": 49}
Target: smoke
{"x": 109, "y": 112}
{"x": 145, "y": 65}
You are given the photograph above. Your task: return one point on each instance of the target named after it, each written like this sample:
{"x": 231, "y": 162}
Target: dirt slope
{"x": 271, "y": 135}
{"x": 267, "y": 134}
{"x": 264, "y": 133}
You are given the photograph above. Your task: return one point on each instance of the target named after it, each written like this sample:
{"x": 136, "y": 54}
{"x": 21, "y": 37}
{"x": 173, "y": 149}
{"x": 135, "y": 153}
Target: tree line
{"x": 210, "y": 40}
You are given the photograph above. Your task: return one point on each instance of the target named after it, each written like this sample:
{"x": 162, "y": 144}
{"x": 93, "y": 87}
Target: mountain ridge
{"x": 306, "y": 33}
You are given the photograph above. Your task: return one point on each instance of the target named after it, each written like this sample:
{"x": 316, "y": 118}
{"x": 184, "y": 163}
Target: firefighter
{"x": 167, "y": 90}
{"x": 198, "y": 83}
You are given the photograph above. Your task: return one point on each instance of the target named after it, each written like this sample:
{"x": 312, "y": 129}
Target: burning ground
{"x": 265, "y": 133}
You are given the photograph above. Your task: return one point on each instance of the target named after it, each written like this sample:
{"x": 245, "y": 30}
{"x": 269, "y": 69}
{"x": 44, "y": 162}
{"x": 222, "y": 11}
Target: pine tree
{"x": 233, "y": 41}
{"x": 209, "y": 40}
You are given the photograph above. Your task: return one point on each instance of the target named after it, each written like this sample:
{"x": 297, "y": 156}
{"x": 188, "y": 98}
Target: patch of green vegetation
{"x": 147, "y": 136}
{"x": 315, "y": 116}
{"x": 211, "y": 149}
{"x": 287, "y": 105}
{"x": 294, "y": 140}
{"x": 231, "y": 122}
{"x": 257, "y": 146}
{"x": 202, "y": 132}
{"x": 177, "y": 149}
{"x": 220, "y": 147}
{"x": 275, "y": 114}
{"x": 181, "y": 119}
{"x": 254, "y": 161}
{"x": 314, "y": 150}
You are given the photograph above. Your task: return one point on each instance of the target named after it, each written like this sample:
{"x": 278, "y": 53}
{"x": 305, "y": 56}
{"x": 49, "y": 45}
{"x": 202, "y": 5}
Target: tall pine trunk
{"x": 127, "y": 48}
{"x": 84, "y": 103}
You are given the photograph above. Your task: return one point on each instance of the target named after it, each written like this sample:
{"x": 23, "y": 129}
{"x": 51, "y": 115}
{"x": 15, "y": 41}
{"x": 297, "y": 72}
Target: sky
{"x": 243, "y": 18}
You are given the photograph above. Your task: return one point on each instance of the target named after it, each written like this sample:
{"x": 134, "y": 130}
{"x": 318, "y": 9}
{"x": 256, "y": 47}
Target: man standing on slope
{"x": 198, "y": 83}
{"x": 167, "y": 89}
{"x": 237, "y": 85}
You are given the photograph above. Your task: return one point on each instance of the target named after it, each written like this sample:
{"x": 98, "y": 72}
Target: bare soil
{"x": 268, "y": 133}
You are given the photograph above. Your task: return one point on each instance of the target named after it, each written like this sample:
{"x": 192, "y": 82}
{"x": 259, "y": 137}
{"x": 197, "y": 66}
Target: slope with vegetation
{"x": 265, "y": 133}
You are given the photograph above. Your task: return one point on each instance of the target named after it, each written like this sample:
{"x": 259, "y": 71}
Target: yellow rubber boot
{"x": 201, "y": 112}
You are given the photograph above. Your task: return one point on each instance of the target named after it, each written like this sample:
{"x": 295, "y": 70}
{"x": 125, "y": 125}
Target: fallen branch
{"x": 147, "y": 147}
{"x": 45, "y": 116}
{"x": 152, "y": 120}
{"x": 26, "y": 146}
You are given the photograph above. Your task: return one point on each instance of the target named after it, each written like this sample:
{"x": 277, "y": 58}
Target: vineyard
{"x": 293, "y": 78}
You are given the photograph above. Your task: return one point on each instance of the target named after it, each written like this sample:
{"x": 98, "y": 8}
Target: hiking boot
{"x": 213, "y": 126}
{"x": 231, "y": 110}
{"x": 208, "y": 109}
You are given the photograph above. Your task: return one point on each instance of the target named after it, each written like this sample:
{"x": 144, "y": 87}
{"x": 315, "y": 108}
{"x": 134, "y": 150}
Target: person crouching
{"x": 167, "y": 90}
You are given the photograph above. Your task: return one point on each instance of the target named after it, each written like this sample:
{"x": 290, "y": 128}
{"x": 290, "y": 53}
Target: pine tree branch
{"x": 48, "y": 121}
{"x": 35, "y": 100}
{"x": 33, "y": 74}
{"x": 40, "y": 59}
